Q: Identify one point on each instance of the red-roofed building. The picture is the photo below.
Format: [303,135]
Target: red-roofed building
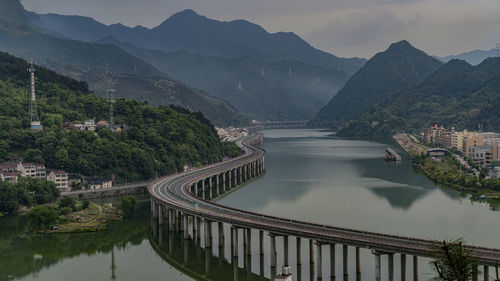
[9,176]
[32,170]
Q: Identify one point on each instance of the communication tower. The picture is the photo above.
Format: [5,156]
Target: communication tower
[111,101]
[33,114]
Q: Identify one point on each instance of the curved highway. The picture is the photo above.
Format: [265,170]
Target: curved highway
[174,191]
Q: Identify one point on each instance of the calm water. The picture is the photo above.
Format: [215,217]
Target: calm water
[310,176]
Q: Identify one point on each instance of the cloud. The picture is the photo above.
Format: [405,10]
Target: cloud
[362,32]
[344,27]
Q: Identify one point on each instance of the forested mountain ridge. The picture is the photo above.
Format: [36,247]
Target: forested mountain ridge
[155,140]
[264,76]
[456,95]
[400,67]
[189,31]
[278,90]
[89,62]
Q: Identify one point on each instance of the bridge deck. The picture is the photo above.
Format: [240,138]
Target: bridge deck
[174,192]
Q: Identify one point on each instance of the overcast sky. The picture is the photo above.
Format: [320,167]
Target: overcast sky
[345,28]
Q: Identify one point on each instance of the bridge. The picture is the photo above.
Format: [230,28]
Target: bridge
[180,199]
[281,124]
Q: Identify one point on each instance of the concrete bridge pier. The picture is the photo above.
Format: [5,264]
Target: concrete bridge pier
[273,249]
[160,214]
[234,244]
[311,251]
[186,226]
[221,234]
[345,261]
[377,266]
[203,191]
[319,261]
[358,261]
[285,251]
[403,267]
[332,261]
[415,268]
[248,244]
[390,266]
[208,234]
[486,272]
[261,242]
[170,220]
[298,249]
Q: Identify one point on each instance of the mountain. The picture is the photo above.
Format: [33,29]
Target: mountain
[474,57]
[457,95]
[90,61]
[398,68]
[282,90]
[188,31]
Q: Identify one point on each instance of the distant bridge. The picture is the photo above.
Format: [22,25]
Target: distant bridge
[177,199]
[281,124]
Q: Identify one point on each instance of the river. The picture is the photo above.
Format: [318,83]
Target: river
[310,175]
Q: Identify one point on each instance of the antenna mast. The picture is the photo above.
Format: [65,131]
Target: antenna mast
[111,100]
[33,115]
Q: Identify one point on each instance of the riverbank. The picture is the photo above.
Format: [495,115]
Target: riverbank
[448,172]
[72,217]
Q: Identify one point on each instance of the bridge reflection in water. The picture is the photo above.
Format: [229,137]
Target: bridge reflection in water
[195,259]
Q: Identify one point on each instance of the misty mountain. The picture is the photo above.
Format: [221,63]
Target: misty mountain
[458,95]
[455,95]
[400,67]
[279,90]
[474,57]
[188,31]
[89,61]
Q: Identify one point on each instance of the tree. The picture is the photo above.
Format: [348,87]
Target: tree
[33,155]
[453,261]
[42,217]
[67,202]
[127,205]
[85,204]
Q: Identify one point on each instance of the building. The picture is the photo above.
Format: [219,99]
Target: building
[286,275]
[60,178]
[32,170]
[443,137]
[9,167]
[9,176]
[481,155]
[88,125]
[494,170]
[102,123]
[98,183]
[437,152]
[471,141]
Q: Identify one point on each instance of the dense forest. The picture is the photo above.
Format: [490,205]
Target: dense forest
[155,140]
[456,95]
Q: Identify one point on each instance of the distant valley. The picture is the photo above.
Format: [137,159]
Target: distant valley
[264,76]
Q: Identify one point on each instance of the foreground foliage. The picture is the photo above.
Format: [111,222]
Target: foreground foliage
[453,261]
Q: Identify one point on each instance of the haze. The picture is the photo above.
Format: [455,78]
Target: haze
[345,28]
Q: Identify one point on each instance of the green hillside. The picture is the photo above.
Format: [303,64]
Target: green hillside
[456,95]
[398,68]
[155,140]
